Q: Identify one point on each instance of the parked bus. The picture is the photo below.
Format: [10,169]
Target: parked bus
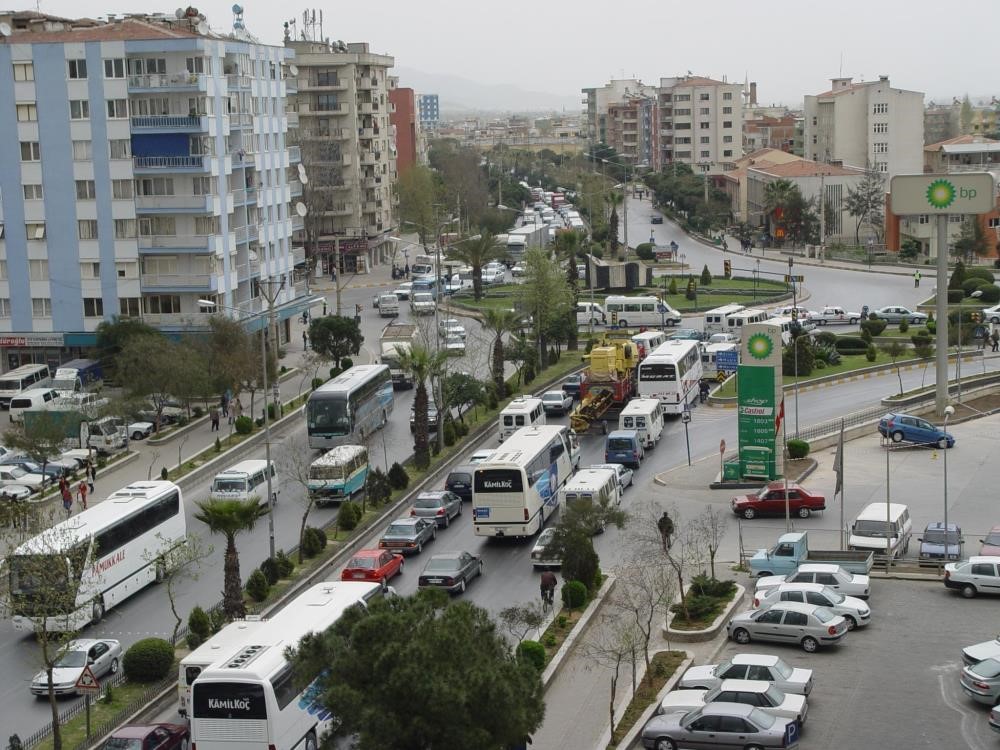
[338,473]
[632,312]
[345,409]
[672,373]
[517,487]
[17,381]
[248,695]
[521,412]
[715,320]
[74,572]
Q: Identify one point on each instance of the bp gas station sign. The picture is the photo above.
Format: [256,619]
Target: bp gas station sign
[760,402]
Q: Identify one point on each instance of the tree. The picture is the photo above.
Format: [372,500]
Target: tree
[966,115]
[228,353]
[155,367]
[462,390]
[798,358]
[566,247]
[572,540]
[419,189]
[971,240]
[777,195]
[360,662]
[609,644]
[866,202]
[476,252]
[41,441]
[424,365]
[521,619]
[112,335]
[894,350]
[710,527]
[255,378]
[683,552]
[545,295]
[499,323]
[294,461]
[181,562]
[335,337]
[614,198]
[230,518]
[643,595]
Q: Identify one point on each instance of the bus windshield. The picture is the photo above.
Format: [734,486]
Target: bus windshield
[329,416]
[326,471]
[653,371]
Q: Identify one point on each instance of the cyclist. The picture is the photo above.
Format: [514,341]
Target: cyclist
[548,586]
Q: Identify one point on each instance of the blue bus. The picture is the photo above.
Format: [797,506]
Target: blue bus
[349,407]
[338,473]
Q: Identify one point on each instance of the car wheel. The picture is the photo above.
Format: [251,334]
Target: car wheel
[137,435]
[665,743]
[968,591]
[821,322]
[185,744]
[915,320]
[897,437]
[447,520]
[461,586]
[809,644]
[851,622]
[479,572]
[97,612]
[434,534]
[804,513]
[749,513]
[943,444]
[113,669]
[854,321]
[310,743]
[623,324]
[753,747]
[741,636]
[399,571]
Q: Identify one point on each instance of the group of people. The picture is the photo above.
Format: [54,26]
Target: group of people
[400,273]
[85,487]
[228,408]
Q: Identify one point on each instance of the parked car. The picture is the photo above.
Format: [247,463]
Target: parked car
[807,625]
[451,571]
[101,655]
[995,719]
[17,475]
[977,575]
[992,315]
[900,427]
[835,315]
[138,430]
[856,612]
[624,473]
[408,535]
[833,576]
[517,270]
[766,667]
[933,544]
[656,219]
[770,501]
[539,557]
[719,725]
[459,481]
[979,651]
[991,544]
[895,314]
[52,472]
[454,345]
[571,384]
[372,565]
[149,737]
[687,334]
[763,695]
[15,492]
[791,311]
[437,506]
[981,682]
[556,402]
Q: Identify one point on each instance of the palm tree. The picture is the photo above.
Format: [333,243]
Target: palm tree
[777,196]
[499,323]
[424,364]
[476,252]
[230,518]
[566,246]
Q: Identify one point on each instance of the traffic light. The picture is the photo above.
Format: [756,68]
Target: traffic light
[727,268]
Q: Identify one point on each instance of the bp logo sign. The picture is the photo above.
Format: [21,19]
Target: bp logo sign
[760,346]
[941,193]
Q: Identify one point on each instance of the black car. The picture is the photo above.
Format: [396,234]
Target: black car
[451,571]
[459,481]
[656,220]
[52,471]
[432,418]
[572,385]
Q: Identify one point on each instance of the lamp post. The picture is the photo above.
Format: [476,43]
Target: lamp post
[756,276]
[958,361]
[795,342]
[948,411]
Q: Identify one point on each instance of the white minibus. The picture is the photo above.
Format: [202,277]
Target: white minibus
[646,341]
[245,480]
[672,374]
[645,416]
[632,312]
[715,320]
[39,399]
[590,487]
[19,380]
[521,412]
[709,361]
[737,320]
[880,527]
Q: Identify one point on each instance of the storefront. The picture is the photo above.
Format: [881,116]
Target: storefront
[32,348]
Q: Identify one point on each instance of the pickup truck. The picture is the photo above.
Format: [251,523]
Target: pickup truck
[422,303]
[793,550]
[835,316]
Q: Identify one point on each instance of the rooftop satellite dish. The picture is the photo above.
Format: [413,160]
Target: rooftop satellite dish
[300,209]
[293,69]
[4,29]
[202,28]
[179,13]
[301,168]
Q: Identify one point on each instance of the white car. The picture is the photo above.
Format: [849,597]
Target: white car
[451,327]
[835,316]
[556,402]
[16,475]
[403,290]
[422,303]
[767,667]
[481,455]
[139,430]
[788,311]
[101,655]
[517,270]
[491,278]
[539,558]
[985,650]
[856,612]
[757,693]
[454,345]
[992,315]
[16,492]
[624,473]
[832,576]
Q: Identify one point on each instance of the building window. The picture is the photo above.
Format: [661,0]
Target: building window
[122,189]
[727,139]
[955,218]
[90,270]
[79,109]
[157,226]
[206,225]
[32,192]
[81,151]
[703,97]
[201,186]
[882,166]
[727,152]
[41,307]
[149,66]
[124,229]
[117,109]
[727,110]
[880,127]
[114,68]
[38,270]
[923,219]
[703,110]
[881,148]
[157,185]
[4,307]
[880,109]
[704,125]
[128,307]
[682,112]
[34,230]
[815,140]
[85,190]
[326,103]
[93,307]
[121,148]
[27,112]
[77,68]
[705,154]
[24,71]
[30,151]
[993,222]
[127,269]
[162,304]
[705,139]
[682,126]
[86,229]
[727,123]
[727,96]
[195,65]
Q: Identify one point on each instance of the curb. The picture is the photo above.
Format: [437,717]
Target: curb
[552,670]
[709,633]
[630,737]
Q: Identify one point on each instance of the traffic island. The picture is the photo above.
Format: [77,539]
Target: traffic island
[706,626]
[571,633]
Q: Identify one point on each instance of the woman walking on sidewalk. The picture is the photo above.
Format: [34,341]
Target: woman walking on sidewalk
[81,491]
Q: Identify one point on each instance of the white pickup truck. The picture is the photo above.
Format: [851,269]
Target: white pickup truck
[835,316]
[422,303]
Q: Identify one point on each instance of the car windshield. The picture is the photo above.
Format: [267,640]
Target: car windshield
[761,719]
[550,396]
[988,668]
[71,659]
[937,537]
[823,615]
[619,444]
[545,537]
[873,528]
[400,529]
[833,596]
[229,485]
[363,563]
[428,502]
[441,565]
[993,538]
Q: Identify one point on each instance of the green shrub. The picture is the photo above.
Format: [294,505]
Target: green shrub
[955,296]
[645,251]
[798,358]
[562,621]
[257,586]
[334,372]
[851,345]
[218,618]
[972,284]
[259,421]
[491,398]
[706,276]
[827,338]
[874,326]
[378,487]
[826,354]
[398,478]
[871,353]
[698,606]
[349,515]
[449,433]
[533,653]
[550,641]
[904,326]
[703,585]
[672,287]
[798,448]
[148,660]
[931,326]
[980,272]
[272,411]
[163,473]
[271,571]
[866,336]
[461,429]
[316,383]
[819,364]
[286,566]
[990,293]
[199,627]
[574,594]
[198,412]
[243,425]
[957,276]
[346,363]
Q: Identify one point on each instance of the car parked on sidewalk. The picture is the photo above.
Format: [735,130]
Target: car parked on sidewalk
[451,571]
[408,535]
[437,506]
[763,695]
[806,625]
[979,651]
[854,610]
[896,314]
[102,655]
[718,726]
[17,475]
[900,427]
[770,501]
[767,667]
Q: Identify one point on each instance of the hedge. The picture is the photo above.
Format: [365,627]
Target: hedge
[851,345]
[574,594]
[532,652]
[798,448]
[148,660]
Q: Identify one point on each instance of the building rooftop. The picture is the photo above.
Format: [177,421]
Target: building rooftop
[962,140]
[124,30]
[807,168]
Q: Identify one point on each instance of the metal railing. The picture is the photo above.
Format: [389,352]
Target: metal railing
[167,122]
[832,426]
[195,280]
[180,202]
[245,234]
[238,82]
[169,162]
[187,242]
[294,154]
[164,80]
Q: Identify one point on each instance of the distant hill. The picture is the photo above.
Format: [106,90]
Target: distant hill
[462,95]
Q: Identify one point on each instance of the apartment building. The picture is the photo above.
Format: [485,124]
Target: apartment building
[405,127]
[700,123]
[631,128]
[145,170]
[343,108]
[866,122]
[598,99]
[734,181]
[941,122]
[429,110]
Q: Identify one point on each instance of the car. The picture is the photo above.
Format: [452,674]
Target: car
[770,501]
[977,575]
[556,402]
[422,303]
[981,681]
[625,474]
[481,455]
[162,736]
[403,290]
[808,625]
[767,667]
[904,427]
[517,270]
[932,544]
[763,695]
[991,544]
[715,727]
[895,314]
[834,315]
[856,612]
[459,481]
[454,346]
[791,311]
[15,492]
[979,651]
[656,219]
[571,384]
[52,472]
[451,571]
[372,565]
[408,535]
[833,576]
[17,475]
[995,719]
[170,412]
[539,557]
[102,655]
[439,506]
[450,326]
[991,315]
[686,334]
[432,418]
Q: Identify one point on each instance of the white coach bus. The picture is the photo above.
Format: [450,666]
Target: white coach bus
[672,373]
[350,406]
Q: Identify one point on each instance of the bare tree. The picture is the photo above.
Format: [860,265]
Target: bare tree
[181,562]
[611,642]
[710,527]
[681,551]
[644,594]
[294,461]
[521,619]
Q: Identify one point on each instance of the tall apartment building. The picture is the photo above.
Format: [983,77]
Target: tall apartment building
[144,169]
[429,109]
[598,99]
[405,127]
[700,123]
[631,128]
[866,122]
[343,108]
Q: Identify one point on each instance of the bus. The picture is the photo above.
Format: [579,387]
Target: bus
[517,487]
[338,473]
[715,320]
[74,572]
[246,694]
[672,373]
[345,409]
[21,379]
[736,321]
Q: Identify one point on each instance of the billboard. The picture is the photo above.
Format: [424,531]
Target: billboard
[759,402]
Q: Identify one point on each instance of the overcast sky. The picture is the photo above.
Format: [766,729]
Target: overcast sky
[790,47]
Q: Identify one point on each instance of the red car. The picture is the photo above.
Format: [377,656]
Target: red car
[149,737]
[372,565]
[770,501]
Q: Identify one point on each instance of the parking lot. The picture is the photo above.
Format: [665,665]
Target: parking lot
[895,684]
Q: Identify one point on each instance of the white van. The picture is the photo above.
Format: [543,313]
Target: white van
[715,320]
[646,341]
[592,486]
[388,305]
[590,312]
[709,357]
[880,527]
[39,399]
[18,381]
[645,416]
[521,412]
[736,321]
[632,312]
[245,480]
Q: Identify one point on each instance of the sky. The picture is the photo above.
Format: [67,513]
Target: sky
[789,47]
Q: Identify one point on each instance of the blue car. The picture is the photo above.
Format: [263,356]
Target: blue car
[932,544]
[900,427]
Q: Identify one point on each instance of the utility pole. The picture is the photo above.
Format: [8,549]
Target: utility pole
[270,289]
[336,270]
[822,210]
[625,212]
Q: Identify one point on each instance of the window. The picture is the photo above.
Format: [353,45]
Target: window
[923,219]
[77,68]
[881,147]
[114,68]
[727,152]
[703,110]
[326,103]
[81,151]
[983,569]
[90,270]
[201,186]
[727,96]
[35,230]
[32,192]
[196,65]
[704,154]
[682,98]
[121,148]
[153,226]
[727,110]
[155,186]
[880,109]
[727,123]
[93,307]
[704,97]
[133,526]
[206,225]
[957,218]
[4,307]
[127,269]
[727,139]
[880,127]
[704,125]
[41,307]
[882,166]
[87,229]
[771,616]
[122,189]
[30,151]
[85,190]
[815,140]
[682,112]
[27,112]
[153,106]
[24,71]
[162,304]
[993,222]
[79,109]
[124,229]
[705,139]
[128,307]
[117,109]
[796,618]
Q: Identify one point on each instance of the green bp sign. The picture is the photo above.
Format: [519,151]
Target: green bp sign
[759,401]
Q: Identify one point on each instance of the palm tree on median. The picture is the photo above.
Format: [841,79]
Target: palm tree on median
[231,518]
[423,364]
[476,252]
[499,323]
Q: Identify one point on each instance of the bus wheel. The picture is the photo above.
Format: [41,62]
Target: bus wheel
[310,743]
[97,613]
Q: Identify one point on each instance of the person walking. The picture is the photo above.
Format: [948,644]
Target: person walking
[305,341]
[81,493]
[89,473]
[224,403]
[214,416]
[916,278]
[238,409]
[67,498]
[995,340]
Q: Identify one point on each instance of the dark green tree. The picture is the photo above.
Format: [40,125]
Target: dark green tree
[462,391]
[230,518]
[476,252]
[156,368]
[40,440]
[572,542]
[499,323]
[335,337]
[424,365]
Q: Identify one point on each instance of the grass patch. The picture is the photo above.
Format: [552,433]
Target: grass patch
[848,363]
[661,668]
[558,631]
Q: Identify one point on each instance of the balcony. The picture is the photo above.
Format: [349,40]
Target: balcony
[155,204]
[292,119]
[371,182]
[367,108]
[295,188]
[169,122]
[177,320]
[366,84]
[175,163]
[368,158]
[246,234]
[294,154]
[371,207]
[325,84]
[291,85]
[298,223]
[193,281]
[243,158]
[247,271]
[238,82]
[329,108]
[242,197]
[366,134]
[254,305]
[176,81]
[298,256]
[240,120]
[340,209]
[184,243]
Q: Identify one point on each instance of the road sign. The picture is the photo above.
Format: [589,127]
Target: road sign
[87,682]
[969,193]
[790,279]
[686,416]
[727,361]
[791,734]
[722,445]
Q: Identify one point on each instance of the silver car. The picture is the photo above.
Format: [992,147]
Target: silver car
[439,507]
[764,667]
[981,682]
[719,726]
[623,473]
[102,656]
[896,314]
[539,557]
[979,651]
[762,695]
[852,609]
[789,622]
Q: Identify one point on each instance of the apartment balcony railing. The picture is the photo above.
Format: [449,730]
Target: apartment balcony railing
[371,182]
[298,223]
[238,82]
[368,158]
[166,122]
[177,280]
[247,271]
[367,108]
[254,305]
[294,154]
[167,320]
[336,84]
[295,187]
[185,243]
[291,85]
[240,120]
[338,108]
[298,255]
[243,196]
[292,118]
[155,203]
[167,81]
[170,162]
[246,234]
[983,167]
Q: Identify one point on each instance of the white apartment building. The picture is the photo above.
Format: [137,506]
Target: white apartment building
[597,100]
[866,122]
[700,123]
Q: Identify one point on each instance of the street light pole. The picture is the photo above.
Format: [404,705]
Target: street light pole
[948,411]
[795,343]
